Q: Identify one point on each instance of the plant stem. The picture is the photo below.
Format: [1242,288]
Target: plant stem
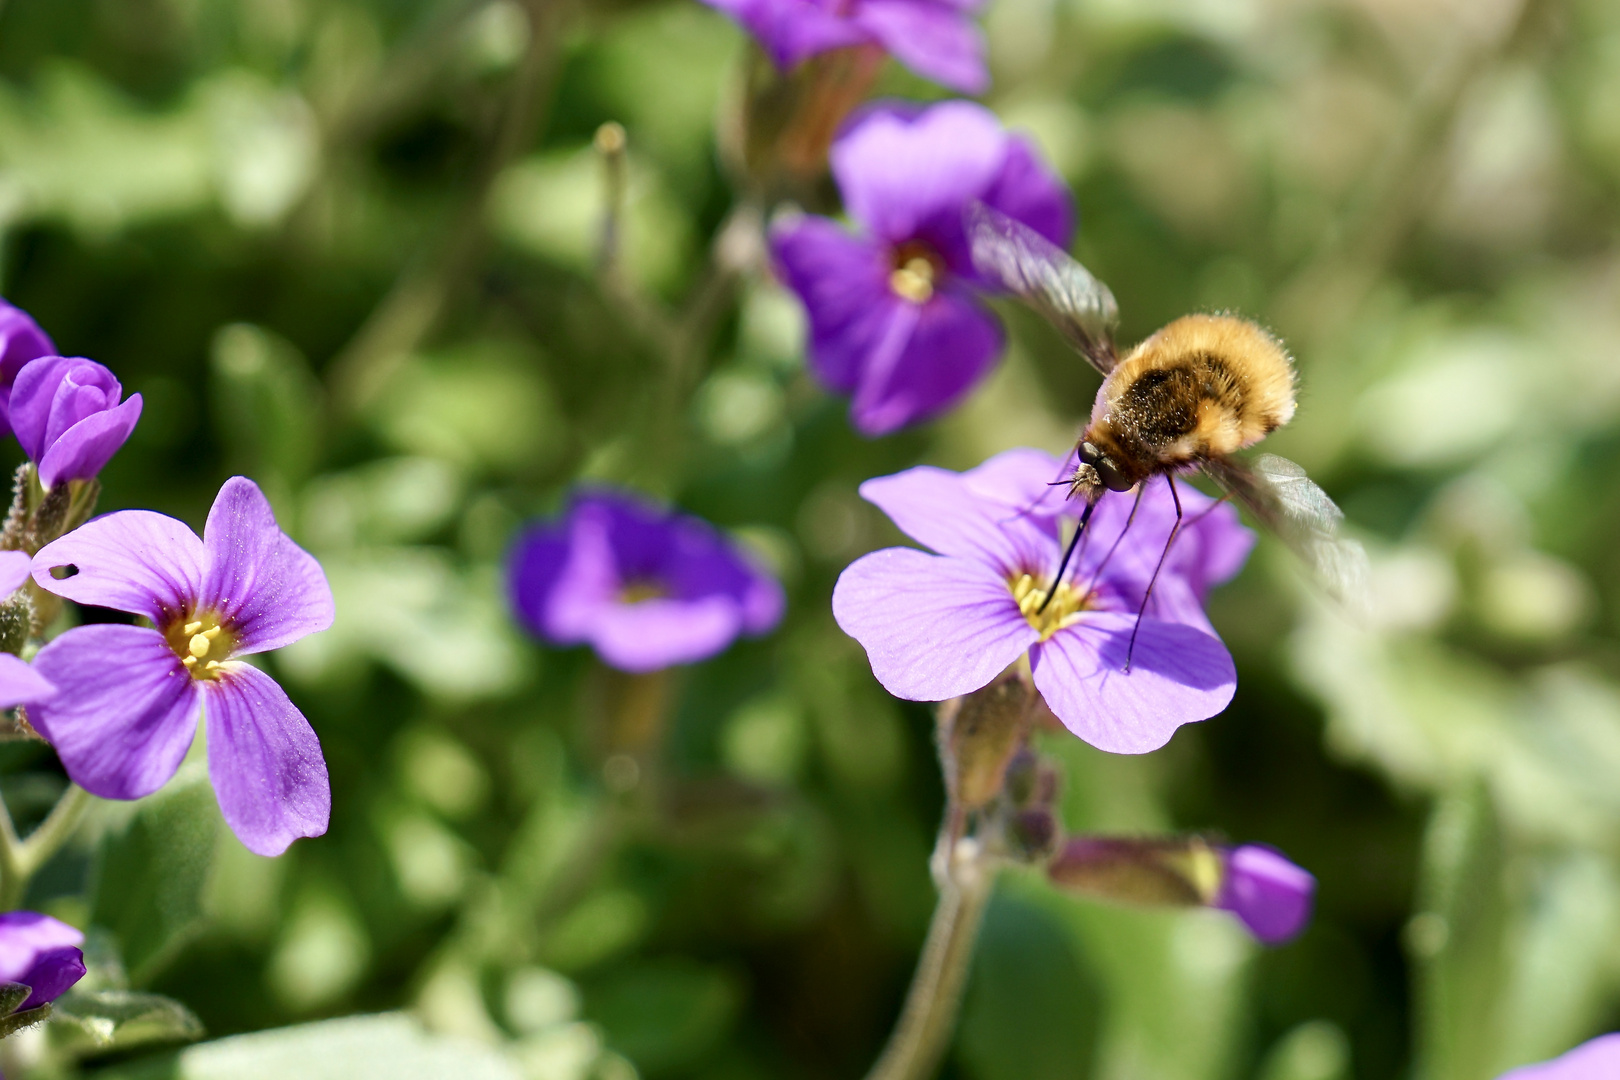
[929,1016]
[20,860]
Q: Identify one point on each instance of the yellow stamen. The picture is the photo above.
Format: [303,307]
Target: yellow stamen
[213,632]
[211,665]
[189,661]
[914,281]
[201,641]
[199,646]
[1064,610]
[192,627]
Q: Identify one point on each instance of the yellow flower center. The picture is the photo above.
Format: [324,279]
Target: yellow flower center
[1064,610]
[914,280]
[636,592]
[201,643]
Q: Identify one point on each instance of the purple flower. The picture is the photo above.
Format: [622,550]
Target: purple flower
[935,38]
[1595,1060]
[66,413]
[128,696]
[936,626]
[41,953]
[644,587]
[894,317]
[19,683]
[1268,893]
[21,340]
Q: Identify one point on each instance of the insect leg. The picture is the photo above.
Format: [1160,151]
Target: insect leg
[1148,595]
[1085,516]
[1096,575]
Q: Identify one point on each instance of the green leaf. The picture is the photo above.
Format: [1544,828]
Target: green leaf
[1457,939]
[389,1046]
[92,1020]
[150,873]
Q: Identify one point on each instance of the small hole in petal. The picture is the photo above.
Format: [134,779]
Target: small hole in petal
[60,572]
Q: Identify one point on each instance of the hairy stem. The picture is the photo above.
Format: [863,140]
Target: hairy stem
[929,1016]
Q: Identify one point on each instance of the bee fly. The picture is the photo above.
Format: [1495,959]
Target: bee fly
[1190,396]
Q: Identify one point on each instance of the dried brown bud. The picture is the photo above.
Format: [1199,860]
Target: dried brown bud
[979,735]
[1181,871]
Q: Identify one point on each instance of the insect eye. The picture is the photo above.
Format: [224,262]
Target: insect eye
[1110,475]
[1089,453]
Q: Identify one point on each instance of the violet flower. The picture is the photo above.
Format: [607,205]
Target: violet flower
[20,684]
[895,321]
[935,38]
[644,587]
[41,953]
[1268,893]
[127,697]
[1598,1059]
[66,413]
[21,340]
[936,626]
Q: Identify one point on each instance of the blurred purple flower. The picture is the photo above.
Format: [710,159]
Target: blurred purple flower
[20,684]
[66,413]
[127,699]
[894,317]
[1595,1060]
[1268,893]
[41,953]
[942,625]
[644,587]
[935,38]
[21,340]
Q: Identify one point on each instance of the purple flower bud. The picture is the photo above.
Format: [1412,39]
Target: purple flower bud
[1270,894]
[41,953]
[21,340]
[67,416]
[1595,1060]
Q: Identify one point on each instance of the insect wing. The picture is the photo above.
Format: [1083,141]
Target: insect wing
[1286,501]
[1022,261]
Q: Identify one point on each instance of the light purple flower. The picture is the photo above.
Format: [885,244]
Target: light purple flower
[41,953]
[67,416]
[127,699]
[1595,1060]
[1268,893]
[935,38]
[644,587]
[936,626]
[20,684]
[895,321]
[21,340]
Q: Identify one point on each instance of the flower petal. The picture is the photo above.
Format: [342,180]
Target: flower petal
[534,568]
[1270,894]
[40,952]
[933,627]
[659,633]
[81,451]
[900,170]
[131,560]
[272,591]
[791,30]
[843,282]
[939,509]
[1025,481]
[1028,191]
[1178,675]
[20,684]
[15,567]
[1598,1059]
[936,41]
[265,762]
[954,344]
[125,711]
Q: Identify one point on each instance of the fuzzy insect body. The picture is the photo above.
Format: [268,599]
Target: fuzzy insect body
[1203,387]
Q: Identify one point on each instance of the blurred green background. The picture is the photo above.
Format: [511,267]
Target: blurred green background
[346,247]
